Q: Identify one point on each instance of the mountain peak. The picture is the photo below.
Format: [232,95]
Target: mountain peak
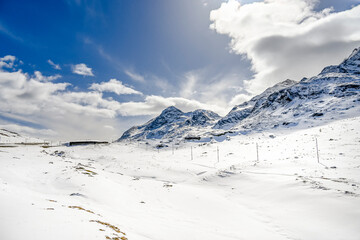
[350,65]
[171,109]
[355,55]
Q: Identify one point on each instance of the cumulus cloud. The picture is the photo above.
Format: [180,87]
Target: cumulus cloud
[7,61]
[286,39]
[155,104]
[59,112]
[55,66]
[42,78]
[20,94]
[239,98]
[52,106]
[113,86]
[82,69]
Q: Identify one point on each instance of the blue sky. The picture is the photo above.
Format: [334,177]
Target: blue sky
[117,63]
[161,38]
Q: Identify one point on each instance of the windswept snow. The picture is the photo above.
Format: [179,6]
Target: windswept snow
[135,191]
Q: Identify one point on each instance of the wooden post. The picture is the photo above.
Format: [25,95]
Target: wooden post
[191,154]
[317,150]
[173,149]
[257,152]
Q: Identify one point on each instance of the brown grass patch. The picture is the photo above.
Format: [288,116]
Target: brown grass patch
[85,171]
[116,238]
[116,229]
[81,208]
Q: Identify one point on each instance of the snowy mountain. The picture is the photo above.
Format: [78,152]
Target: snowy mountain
[11,137]
[242,111]
[333,94]
[173,123]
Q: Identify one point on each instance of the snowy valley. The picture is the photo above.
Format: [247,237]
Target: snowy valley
[284,165]
[219,190]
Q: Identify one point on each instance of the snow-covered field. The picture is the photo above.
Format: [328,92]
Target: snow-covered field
[134,191]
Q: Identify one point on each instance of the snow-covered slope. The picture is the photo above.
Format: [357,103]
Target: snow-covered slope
[333,94]
[242,111]
[210,191]
[173,123]
[11,137]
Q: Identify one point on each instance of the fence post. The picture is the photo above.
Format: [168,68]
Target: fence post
[257,152]
[191,154]
[317,150]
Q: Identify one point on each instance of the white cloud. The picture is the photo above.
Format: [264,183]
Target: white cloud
[113,86]
[28,131]
[134,76]
[286,39]
[10,34]
[55,66]
[72,115]
[53,107]
[42,78]
[211,87]
[20,94]
[153,105]
[239,98]
[7,61]
[188,86]
[82,69]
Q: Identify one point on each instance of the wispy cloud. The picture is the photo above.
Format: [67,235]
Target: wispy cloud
[188,88]
[10,34]
[82,69]
[134,76]
[113,86]
[55,66]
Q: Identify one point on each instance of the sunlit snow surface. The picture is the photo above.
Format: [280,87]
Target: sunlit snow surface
[135,191]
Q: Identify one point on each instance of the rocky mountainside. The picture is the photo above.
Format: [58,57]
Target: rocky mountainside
[331,95]
[242,111]
[173,123]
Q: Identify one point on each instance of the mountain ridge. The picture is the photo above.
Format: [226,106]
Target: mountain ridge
[332,94]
